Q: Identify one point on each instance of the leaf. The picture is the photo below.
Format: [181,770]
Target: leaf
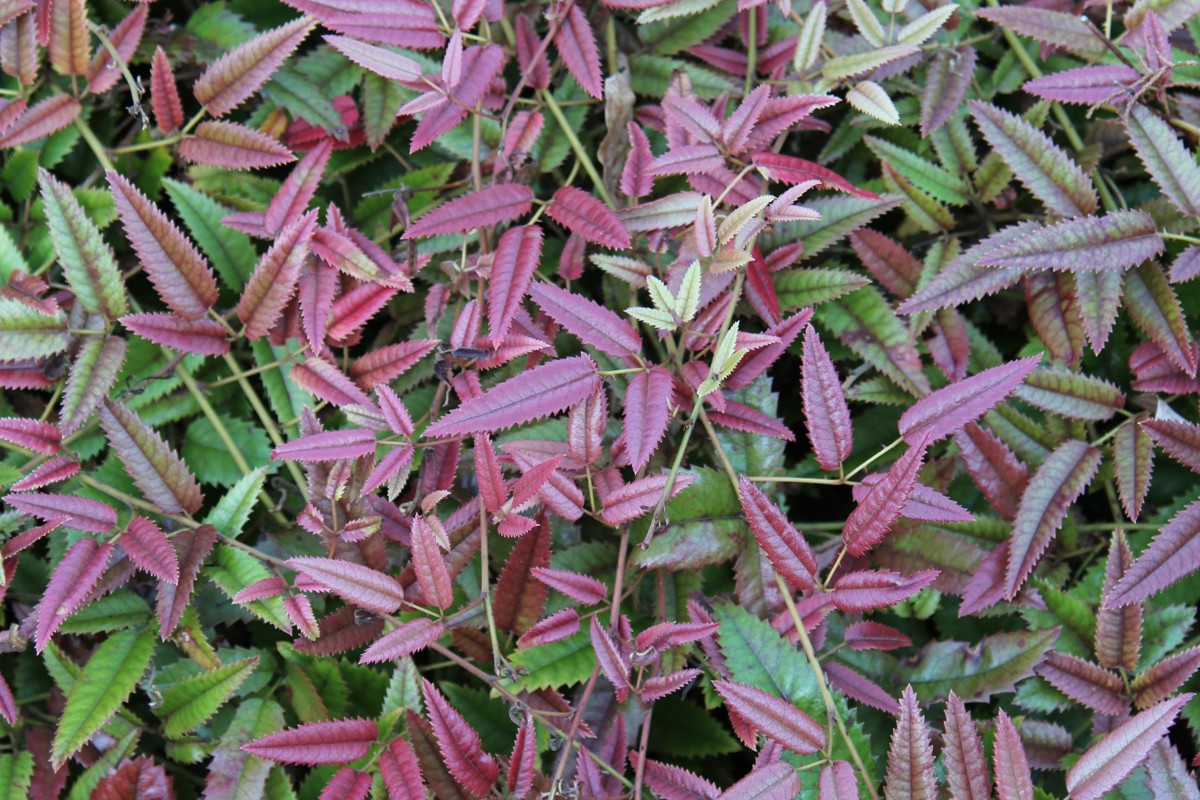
[1118,240]
[613,663]
[190,702]
[647,414]
[27,333]
[582,588]
[676,783]
[1085,683]
[776,719]
[1133,464]
[460,745]
[865,590]
[1165,678]
[327,446]
[928,177]
[1045,170]
[1071,394]
[951,408]
[576,45]
[191,549]
[233,146]
[825,410]
[102,73]
[976,670]
[515,262]
[68,37]
[334,742]
[432,575]
[32,434]
[592,323]
[109,677]
[164,94]
[236,76]
[1167,776]
[495,204]
[407,639]
[205,337]
[156,469]
[581,213]
[1108,762]
[1154,307]
[230,251]
[884,501]
[865,322]
[1173,553]
[1052,490]
[1051,27]
[148,547]
[793,171]
[544,390]
[385,63]
[910,755]
[41,120]
[1013,778]
[355,583]
[1180,440]
[79,513]
[77,572]
[777,780]
[274,279]
[1084,85]
[401,771]
[86,259]
[962,754]
[872,99]
[1099,295]
[783,545]
[635,499]
[233,510]
[1118,631]
[841,67]
[1167,160]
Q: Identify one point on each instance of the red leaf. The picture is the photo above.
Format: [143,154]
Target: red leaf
[53,471]
[273,281]
[148,547]
[385,63]
[259,590]
[355,583]
[139,779]
[874,636]
[792,170]
[582,213]
[594,324]
[910,756]
[950,408]
[492,489]
[347,784]
[1164,678]
[637,178]
[660,686]
[635,499]
[341,631]
[777,719]
[871,589]
[334,742]
[205,337]
[388,363]
[156,469]
[102,74]
[676,783]
[327,446]
[739,417]
[544,390]
[784,546]
[1180,440]
[459,744]
[962,754]
[577,46]
[1085,683]
[1118,631]
[513,265]
[534,479]
[583,588]
[401,772]
[777,780]
[825,409]
[837,782]
[1106,763]
[8,704]
[40,437]
[489,206]
[522,767]
[164,94]
[647,413]
[993,467]
[298,189]
[430,566]
[233,146]
[79,513]
[408,638]
[613,662]
[77,572]
[874,515]
[857,687]
[235,76]
[1013,778]
[191,548]
[46,117]
[1173,554]
[558,625]
[319,377]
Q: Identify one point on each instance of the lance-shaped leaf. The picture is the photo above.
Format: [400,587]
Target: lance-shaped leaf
[1133,463]
[676,783]
[593,323]
[86,259]
[55,470]
[637,498]
[946,83]
[401,771]
[74,576]
[28,333]
[1179,439]
[327,446]
[67,36]
[647,413]
[962,754]
[233,146]
[1050,27]
[156,469]
[581,213]
[460,745]
[1060,480]
[1038,163]
[387,363]
[1013,777]
[32,434]
[191,548]
[1169,162]
[102,73]
[1164,678]
[776,780]
[612,661]
[80,513]
[1167,775]
[1086,683]
[42,119]
[777,719]
[355,583]
[910,755]
[869,589]
[1118,240]
[432,575]
[320,377]
[1118,630]
[111,674]
[148,547]
[385,63]
[95,371]
[874,636]
[837,782]
[1099,296]
[205,337]
[408,638]
[553,628]
[1173,554]
[1106,763]
[583,588]
[544,390]
[334,742]
[513,265]
[784,546]
[1054,313]
[874,515]
[499,203]
[952,407]
[576,45]
[274,279]
[191,701]
[164,94]
[1071,394]
[1154,307]
[235,76]
[825,410]
[1084,85]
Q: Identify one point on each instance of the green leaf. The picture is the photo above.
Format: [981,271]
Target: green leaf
[121,609]
[840,67]
[757,655]
[922,208]
[672,36]
[380,99]
[26,333]
[706,736]
[974,670]
[925,175]
[86,260]
[11,257]
[110,676]
[235,774]
[866,324]
[651,74]
[1071,612]
[797,288]
[16,773]
[558,664]
[840,216]
[192,701]
[673,10]
[233,571]
[302,97]
[229,516]
[229,250]
[703,527]
[204,450]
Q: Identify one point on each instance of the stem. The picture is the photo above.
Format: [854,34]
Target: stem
[577,146]
[97,148]
[872,459]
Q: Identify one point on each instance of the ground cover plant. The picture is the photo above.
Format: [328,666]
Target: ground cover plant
[599,398]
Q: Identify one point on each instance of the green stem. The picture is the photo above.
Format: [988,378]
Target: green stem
[577,146]
[97,148]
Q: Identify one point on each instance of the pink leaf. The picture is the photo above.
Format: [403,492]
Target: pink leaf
[274,279]
[492,491]
[647,413]
[297,191]
[923,504]
[334,742]
[950,408]
[513,265]
[533,480]
[637,179]
[558,625]
[837,782]
[40,437]
[408,638]
[1118,631]
[1014,780]
[1106,763]
[673,634]
[53,471]
[46,117]
[8,704]
[233,146]
[1180,440]
[858,687]
[459,744]
[962,754]
[660,686]
[676,783]
[740,417]
[233,78]
[544,390]
[191,548]
[1164,678]
[148,547]
[299,611]
[637,498]
[1085,683]
[874,636]
[583,588]
[825,409]
[489,206]
[164,94]
[327,446]
[388,363]
[577,46]
[155,467]
[80,513]
[867,590]
[873,517]
[205,337]
[792,170]
[777,780]
[321,378]
[783,545]
[777,719]
[102,74]
[401,771]
[612,662]
[259,590]
[910,756]
[582,213]
[430,566]
[384,63]
[993,467]
[347,784]
[1173,553]
[594,324]
[1084,85]
[74,576]
[354,583]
